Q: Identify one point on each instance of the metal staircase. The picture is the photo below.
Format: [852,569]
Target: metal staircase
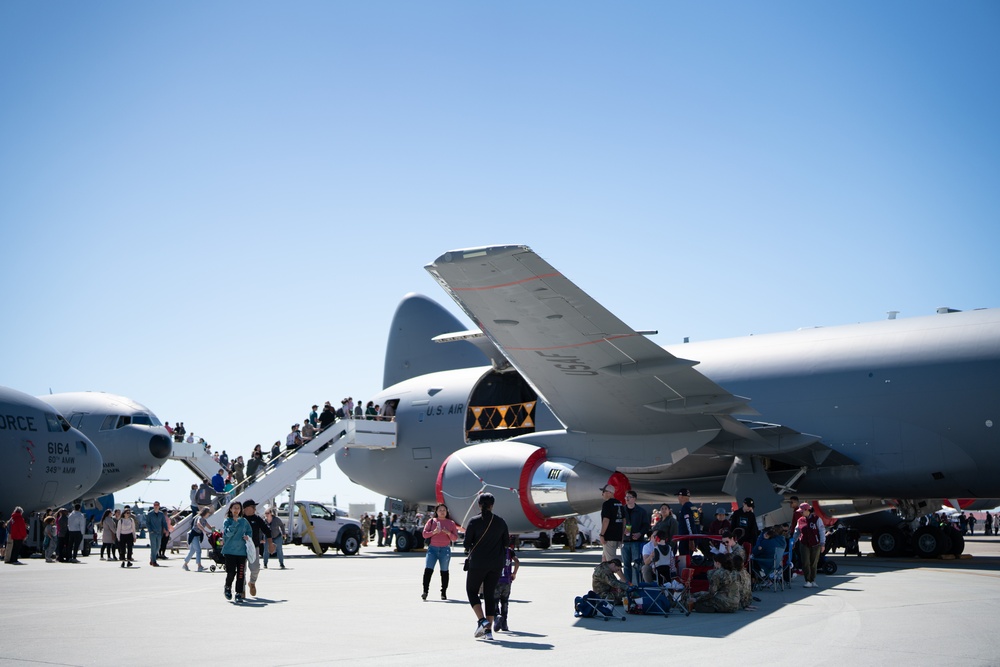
[287,469]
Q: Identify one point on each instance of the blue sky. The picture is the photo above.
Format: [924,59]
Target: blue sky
[213,208]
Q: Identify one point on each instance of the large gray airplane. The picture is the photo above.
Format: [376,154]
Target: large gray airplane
[46,462]
[553,396]
[132,440]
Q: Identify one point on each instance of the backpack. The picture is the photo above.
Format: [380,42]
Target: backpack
[203,497]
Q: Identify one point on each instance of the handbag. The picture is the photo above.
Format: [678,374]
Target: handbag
[465,565]
[251,550]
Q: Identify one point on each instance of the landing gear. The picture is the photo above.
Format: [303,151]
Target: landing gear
[888,542]
[930,542]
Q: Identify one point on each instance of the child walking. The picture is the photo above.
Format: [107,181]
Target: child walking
[511,564]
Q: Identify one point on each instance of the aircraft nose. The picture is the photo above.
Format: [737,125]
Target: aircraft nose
[89,464]
[160,446]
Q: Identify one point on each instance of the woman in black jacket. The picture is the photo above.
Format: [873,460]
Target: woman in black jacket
[486,540]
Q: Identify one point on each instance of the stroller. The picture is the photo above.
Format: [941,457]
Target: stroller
[215,550]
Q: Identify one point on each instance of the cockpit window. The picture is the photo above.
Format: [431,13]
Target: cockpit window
[124,420]
[109,422]
[143,419]
[76,419]
[56,423]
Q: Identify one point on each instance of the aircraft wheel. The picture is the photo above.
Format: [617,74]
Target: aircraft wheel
[928,542]
[957,544]
[543,541]
[829,567]
[580,541]
[404,541]
[887,542]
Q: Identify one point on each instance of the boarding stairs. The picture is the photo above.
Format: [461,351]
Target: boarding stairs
[294,464]
[197,459]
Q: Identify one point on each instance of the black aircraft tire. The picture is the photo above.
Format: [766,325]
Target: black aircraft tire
[957,544]
[543,541]
[928,542]
[404,541]
[829,567]
[887,542]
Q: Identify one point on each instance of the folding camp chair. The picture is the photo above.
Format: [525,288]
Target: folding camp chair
[592,605]
[650,599]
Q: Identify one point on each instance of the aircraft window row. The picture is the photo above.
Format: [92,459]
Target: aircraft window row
[118,421]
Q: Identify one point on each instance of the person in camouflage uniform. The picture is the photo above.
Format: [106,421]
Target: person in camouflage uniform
[571,528]
[723,594]
[607,581]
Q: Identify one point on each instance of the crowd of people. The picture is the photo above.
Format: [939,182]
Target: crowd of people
[638,549]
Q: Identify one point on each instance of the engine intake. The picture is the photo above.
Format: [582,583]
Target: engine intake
[532,492]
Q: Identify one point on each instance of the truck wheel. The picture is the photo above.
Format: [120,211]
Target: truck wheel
[350,543]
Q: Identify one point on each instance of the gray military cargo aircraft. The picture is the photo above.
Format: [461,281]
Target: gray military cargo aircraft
[554,396]
[46,462]
[132,440]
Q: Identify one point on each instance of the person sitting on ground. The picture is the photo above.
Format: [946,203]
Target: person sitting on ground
[723,594]
[608,582]
[742,580]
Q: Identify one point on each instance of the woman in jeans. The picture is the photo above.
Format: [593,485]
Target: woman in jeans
[441,530]
[234,533]
[199,529]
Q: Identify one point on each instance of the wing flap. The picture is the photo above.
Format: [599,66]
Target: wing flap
[597,374]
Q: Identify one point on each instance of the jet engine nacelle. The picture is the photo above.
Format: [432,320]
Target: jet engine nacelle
[532,491]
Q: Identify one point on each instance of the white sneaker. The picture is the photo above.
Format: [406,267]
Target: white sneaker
[808,584]
[481,627]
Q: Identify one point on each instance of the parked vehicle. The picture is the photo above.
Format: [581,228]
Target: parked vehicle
[331,530]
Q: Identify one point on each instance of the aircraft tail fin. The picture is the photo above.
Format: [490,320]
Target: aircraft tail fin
[411,351]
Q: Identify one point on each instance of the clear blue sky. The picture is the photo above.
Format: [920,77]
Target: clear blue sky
[213,208]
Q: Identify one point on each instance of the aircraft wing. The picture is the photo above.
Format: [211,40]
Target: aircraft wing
[597,374]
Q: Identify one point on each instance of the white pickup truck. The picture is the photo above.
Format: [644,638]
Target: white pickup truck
[331,530]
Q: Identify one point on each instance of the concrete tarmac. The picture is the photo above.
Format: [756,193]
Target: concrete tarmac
[338,609]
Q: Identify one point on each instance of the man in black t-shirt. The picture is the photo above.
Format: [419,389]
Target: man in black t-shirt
[611,523]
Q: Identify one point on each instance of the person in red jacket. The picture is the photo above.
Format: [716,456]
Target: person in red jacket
[18,532]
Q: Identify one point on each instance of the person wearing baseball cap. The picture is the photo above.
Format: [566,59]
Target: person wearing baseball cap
[686,522]
[743,523]
[612,525]
[810,534]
